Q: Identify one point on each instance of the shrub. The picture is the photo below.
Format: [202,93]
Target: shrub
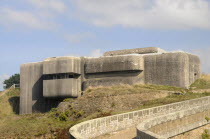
[79,114]
[62,117]
[207,119]
[205,134]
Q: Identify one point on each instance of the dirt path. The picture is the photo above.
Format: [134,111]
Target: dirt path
[193,134]
[129,133]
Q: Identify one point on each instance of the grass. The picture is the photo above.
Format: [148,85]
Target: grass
[202,83]
[205,134]
[129,89]
[32,125]
[172,99]
[55,124]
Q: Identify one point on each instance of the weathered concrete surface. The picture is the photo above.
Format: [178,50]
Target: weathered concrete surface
[30,86]
[114,64]
[146,50]
[194,68]
[62,88]
[111,81]
[62,65]
[173,69]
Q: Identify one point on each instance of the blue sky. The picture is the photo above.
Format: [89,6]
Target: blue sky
[32,30]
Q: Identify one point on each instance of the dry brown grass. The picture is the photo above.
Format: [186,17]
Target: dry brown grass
[202,83]
[206,77]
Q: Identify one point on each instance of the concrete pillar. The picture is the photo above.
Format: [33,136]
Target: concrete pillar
[30,86]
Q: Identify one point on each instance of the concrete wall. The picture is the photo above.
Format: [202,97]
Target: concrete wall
[146,50]
[62,88]
[30,86]
[100,126]
[173,69]
[111,81]
[172,124]
[194,68]
[31,90]
[116,70]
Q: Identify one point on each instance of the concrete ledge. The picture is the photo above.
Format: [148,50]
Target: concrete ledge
[146,50]
[62,65]
[116,63]
[100,126]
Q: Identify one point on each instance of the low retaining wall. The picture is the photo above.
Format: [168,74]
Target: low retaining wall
[100,126]
[172,124]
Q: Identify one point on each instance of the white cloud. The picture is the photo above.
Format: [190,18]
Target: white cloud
[77,38]
[2,78]
[53,5]
[204,55]
[39,14]
[96,53]
[152,14]
[15,18]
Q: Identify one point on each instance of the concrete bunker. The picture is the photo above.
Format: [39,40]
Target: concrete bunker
[48,82]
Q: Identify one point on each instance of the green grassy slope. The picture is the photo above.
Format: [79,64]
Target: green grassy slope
[13,125]
[56,123]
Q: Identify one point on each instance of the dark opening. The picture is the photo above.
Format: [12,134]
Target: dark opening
[61,76]
[195,74]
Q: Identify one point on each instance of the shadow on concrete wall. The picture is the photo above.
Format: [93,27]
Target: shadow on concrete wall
[45,105]
[15,103]
[39,103]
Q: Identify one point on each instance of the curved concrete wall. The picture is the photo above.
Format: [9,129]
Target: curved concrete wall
[100,126]
[172,124]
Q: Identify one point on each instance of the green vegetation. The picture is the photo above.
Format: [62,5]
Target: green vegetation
[14,79]
[207,119]
[53,124]
[205,134]
[202,83]
[172,99]
[130,89]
